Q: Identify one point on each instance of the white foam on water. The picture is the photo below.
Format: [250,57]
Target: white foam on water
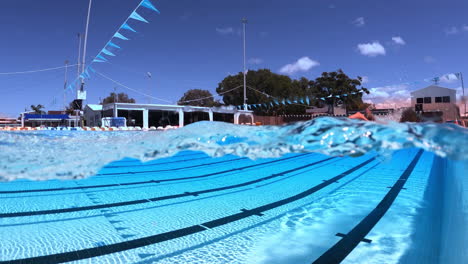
[43,155]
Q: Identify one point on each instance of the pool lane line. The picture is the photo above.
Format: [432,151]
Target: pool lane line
[169,157]
[156,181]
[155,199]
[166,170]
[153,164]
[338,252]
[178,233]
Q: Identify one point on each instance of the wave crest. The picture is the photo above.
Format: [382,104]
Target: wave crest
[43,155]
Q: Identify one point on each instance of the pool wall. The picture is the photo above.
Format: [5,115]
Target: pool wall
[454,239]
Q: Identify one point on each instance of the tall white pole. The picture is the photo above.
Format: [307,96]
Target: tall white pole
[78,69]
[244,22]
[463,92]
[65,86]
[85,44]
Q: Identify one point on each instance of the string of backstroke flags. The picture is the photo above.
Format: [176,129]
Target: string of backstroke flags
[111,46]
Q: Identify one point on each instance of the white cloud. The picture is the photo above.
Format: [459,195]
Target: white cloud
[365,79]
[371,49]
[301,65]
[255,61]
[465,28]
[359,22]
[429,59]
[451,31]
[389,96]
[225,31]
[448,78]
[398,41]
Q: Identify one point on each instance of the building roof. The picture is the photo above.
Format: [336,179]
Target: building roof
[95,107]
[434,87]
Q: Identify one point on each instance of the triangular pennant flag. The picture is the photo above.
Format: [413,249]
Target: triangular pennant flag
[288,101]
[149,5]
[307,100]
[301,100]
[283,102]
[271,104]
[136,16]
[113,45]
[98,60]
[276,102]
[107,52]
[127,27]
[345,94]
[101,57]
[91,69]
[120,36]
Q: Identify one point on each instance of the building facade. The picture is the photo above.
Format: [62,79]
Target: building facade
[157,115]
[435,103]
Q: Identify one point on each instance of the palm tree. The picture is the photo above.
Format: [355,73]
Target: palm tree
[38,109]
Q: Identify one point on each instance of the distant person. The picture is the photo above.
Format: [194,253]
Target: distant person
[367,116]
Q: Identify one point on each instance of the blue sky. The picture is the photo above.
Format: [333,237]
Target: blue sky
[396,45]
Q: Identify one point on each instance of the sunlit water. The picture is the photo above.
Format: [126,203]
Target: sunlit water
[104,197]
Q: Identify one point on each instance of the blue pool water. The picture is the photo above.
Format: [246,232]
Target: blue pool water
[302,199]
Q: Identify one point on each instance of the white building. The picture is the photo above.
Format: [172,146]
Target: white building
[148,115]
[93,115]
[435,102]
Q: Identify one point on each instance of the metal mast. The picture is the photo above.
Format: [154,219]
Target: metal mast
[85,44]
[78,69]
[244,22]
[65,86]
[463,92]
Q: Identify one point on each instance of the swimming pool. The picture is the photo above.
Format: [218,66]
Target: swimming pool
[410,207]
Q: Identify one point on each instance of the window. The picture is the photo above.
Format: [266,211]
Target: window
[427,100]
[446,99]
[438,99]
[419,100]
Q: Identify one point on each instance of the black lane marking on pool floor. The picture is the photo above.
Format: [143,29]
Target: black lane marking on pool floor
[349,242]
[151,164]
[155,199]
[138,162]
[154,239]
[153,181]
[166,170]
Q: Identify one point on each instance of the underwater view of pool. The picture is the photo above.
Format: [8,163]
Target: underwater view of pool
[324,191]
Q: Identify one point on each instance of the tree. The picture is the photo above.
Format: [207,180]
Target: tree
[38,109]
[198,97]
[334,85]
[409,115]
[121,98]
[264,86]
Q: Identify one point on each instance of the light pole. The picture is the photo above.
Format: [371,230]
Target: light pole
[463,92]
[149,75]
[84,48]
[244,22]
[65,86]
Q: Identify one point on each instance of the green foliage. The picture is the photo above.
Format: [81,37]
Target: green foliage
[198,97]
[263,82]
[118,98]
[338,83]
[38,109]
[409,115]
